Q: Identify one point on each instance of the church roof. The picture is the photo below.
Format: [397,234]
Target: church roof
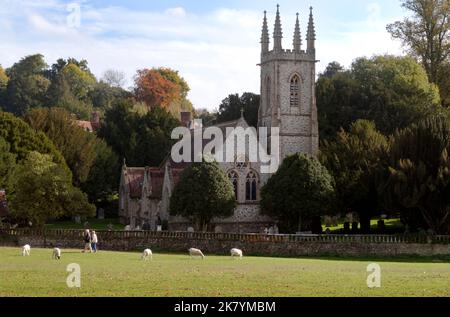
[134,178]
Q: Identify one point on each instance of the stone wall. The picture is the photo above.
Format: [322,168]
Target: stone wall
[220,244]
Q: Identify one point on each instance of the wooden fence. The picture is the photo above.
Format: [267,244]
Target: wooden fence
[281,238]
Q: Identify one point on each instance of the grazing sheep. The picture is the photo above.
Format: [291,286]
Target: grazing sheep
[147,254]
[236,252]
[56,254]
[193,252]
[26,250]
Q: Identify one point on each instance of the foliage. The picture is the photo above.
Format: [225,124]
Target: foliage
[394,92]
[203,193]
[231,107]
[93,163]
[22,139]
[142,139]
[354,159]
[426,34]
[103,95]
[71,85]
[299,191]
[7,165]
[42,189]
[208,118]
[420,173]
[154,89]
[103,178]
[3,84]
[27,85]
[73,142]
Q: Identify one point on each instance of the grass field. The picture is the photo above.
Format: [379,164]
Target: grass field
[124,274]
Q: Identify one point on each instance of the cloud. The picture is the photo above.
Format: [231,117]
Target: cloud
[178,12]
[216,51]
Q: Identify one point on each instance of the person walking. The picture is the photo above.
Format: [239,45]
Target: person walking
[87,241]
[94,241]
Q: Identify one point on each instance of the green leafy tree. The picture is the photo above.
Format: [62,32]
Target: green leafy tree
[299,192]
[231,107]
[426,35]
[27,85]
[22,139]
[75,144]
[104,174]
[42,189]
[355,159]
[394,92]
[7,165]
[420,174]
[3,84]
[142,139]
[71,85]
[203,192]
[104,96]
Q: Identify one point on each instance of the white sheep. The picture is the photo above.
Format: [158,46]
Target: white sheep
[26,250]
[194,251]
[147,254]
[56,254]
[236,252]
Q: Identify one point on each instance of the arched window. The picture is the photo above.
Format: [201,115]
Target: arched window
[234,179]
[251,186]
[295,90]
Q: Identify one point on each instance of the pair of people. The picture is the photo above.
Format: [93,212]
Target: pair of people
[90,241]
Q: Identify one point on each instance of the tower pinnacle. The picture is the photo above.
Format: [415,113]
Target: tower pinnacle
[297,37]
[311,34]
[265,36]
[278,32]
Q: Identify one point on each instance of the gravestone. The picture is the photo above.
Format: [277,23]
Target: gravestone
[101,214]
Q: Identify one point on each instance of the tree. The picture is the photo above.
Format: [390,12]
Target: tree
[27,85]
[103,96]
[203,193]
[155,90]
[94,165]
[22,139]
[75,144]
[42,189]
[332,69]
[208,118]
[426,34]
[143,139]
[394,92]
[71,85]
[231,107]
[104,174]
[420,173]
[7,165]
[3,84]
[355,159]
[114,78]
[301,190]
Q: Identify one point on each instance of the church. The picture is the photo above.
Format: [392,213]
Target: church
[287,102]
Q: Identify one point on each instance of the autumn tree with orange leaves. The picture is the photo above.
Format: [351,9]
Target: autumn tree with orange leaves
[155,90]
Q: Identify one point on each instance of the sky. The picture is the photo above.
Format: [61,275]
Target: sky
[214,44]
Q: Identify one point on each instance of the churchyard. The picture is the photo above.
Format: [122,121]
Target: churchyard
[125,274]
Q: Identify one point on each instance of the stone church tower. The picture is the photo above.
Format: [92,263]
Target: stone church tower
[288,88]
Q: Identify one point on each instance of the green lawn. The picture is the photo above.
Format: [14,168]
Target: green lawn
[95,224]
[124,274]
[391,226]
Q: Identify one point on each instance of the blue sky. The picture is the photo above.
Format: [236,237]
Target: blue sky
[214,44]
